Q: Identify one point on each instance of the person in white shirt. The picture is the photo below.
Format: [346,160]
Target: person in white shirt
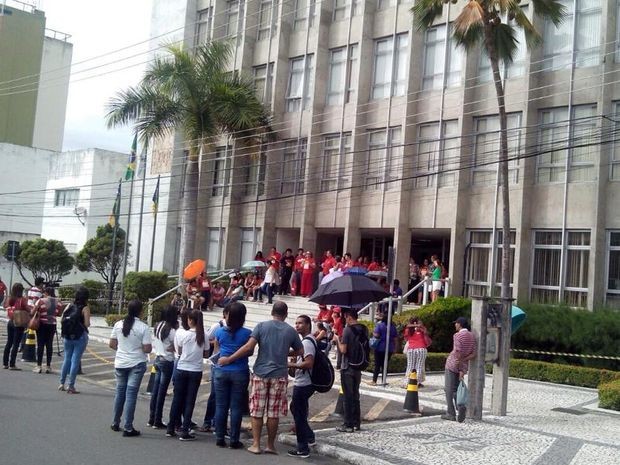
[131,339]
[192,348]
[163,345]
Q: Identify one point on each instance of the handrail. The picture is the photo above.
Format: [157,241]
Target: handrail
[155,299]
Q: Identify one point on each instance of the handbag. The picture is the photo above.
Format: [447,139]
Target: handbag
[427,340]
[34,322]
[373,342]
[21,317]
[462,394]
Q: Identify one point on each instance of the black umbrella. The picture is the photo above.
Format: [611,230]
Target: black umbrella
[349,290]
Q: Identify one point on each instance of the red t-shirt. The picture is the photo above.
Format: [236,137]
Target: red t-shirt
[328,264]
[415,340]
[2,288]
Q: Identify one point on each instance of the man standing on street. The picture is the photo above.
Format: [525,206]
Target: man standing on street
[270,378]
[303,388]
[457,363]
[354,349]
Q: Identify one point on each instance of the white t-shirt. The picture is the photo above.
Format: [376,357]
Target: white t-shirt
[161,347]
[214,328]
[302,377]
[129,352]
[191,352]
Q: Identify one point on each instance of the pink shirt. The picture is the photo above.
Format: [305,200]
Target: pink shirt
[464,344]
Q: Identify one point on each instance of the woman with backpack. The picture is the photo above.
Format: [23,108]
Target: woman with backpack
[164,364]
[131,339]
[47,309]
[74,330]
[15,326]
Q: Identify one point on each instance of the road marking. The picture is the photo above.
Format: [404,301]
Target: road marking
[376,409]
[97,356]
[98,373]
[323,414]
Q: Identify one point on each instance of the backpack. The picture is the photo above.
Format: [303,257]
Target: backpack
[358,352]
[322,374]
[71,326]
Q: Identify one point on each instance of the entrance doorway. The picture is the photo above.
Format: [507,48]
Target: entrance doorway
[428,242]
[331,239]
[375,246]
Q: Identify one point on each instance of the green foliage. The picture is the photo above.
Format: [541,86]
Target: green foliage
[560,373]
[44,258]
[96,255]
[66,292]
[609,395]
[398,362]
[145,285]
[112,318]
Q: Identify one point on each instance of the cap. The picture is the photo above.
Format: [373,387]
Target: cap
[462,321]
[323,306]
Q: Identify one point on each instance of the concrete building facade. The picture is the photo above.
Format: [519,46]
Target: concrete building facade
[388,136]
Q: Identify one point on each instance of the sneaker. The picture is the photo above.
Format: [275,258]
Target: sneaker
[298,453]
[114,427]
[448,417]
[61,387]
[344,429]
[236,445]
[170,434]
[72,390]
[205,429]
[150,423]
[131,433]
[159,425]
[357,428]
[220,443]
[37,370]
[49,371]
[312,444]
[461,411]
[187,437]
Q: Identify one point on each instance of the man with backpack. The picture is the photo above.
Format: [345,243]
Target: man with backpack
[355,352]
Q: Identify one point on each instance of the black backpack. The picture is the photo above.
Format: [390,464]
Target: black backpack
[71,326]
[358,352]
[322,374]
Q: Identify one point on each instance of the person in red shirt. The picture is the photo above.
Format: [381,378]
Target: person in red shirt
[374,266]
[418,340]
[2,291]
[274,255]
[328,263]
[338,328]
[308,266]
[324,315]
[297,271]
[348,261]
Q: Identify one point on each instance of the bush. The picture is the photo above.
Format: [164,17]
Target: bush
[398,362]
[112,318]
[145,285]
[66,293]
[609,395]
[560,373]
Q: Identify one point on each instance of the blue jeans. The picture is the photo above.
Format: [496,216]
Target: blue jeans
[186,384]
[74,348]
[231,393]
[209,420]
[266,288]
[163,375]
[127,386]
[299,409]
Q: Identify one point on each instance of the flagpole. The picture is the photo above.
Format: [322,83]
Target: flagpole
[156,208]
[130,170]
[143,168]
[115,209]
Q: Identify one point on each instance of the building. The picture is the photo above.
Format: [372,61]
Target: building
[34,78]
[387,136]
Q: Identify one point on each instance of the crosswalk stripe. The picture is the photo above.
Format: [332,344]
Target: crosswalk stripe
[376,409]
[108,371]
[323,414]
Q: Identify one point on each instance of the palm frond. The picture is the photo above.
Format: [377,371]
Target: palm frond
[532,37]
[425,12]
[551,10]
[504,42]
[469,25]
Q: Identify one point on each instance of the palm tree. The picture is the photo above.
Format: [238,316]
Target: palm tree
[493,24]
[191,92]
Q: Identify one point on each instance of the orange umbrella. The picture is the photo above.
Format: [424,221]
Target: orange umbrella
[194,269]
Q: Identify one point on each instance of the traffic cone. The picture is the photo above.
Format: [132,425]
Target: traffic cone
[411,399]
[339,410]
[149,386]
[29,352]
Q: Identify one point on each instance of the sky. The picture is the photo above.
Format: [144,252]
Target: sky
[98,28]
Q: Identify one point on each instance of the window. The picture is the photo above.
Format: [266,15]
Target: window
[614,159]
[221,171]
[612,298]
[486,149]
[213,249]
[557,134]
[266,18]
[547,280]
[254,175]
[249,244]
[263,80]
[385,162]
[437,155]
[383,4]
[482,276]
[300,82]
[66,197]
[294,166]
[435,59]
[330,170]
[342,8]
[234,17]
[343,74]
[390,67]
[204,25]
[304,9]
[558,41]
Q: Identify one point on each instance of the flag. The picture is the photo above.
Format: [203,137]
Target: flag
[155,205]
[142,164]
[131,166]
[116,208]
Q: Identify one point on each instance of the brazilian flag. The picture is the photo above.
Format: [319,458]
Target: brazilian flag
[131,166]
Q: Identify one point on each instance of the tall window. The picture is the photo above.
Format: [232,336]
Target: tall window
[613,270]
[204,26]
[614,168]
[254,175]
[330,169]
[558,41]
[480,277]
[213,249]
[234,17]
[390,67]
[221,172]
[486,148]
[266,18]
[294,166]
[547,279]
[343,75]
[342,8]
[385,162]
[249,244]
[66,197]
[560,137]
[383,4]
[300,82]
[263,79]
[507,70]
[434,59]
[304,10]
[437,156]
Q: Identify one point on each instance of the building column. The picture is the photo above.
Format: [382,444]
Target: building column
[352,240]
[402,244]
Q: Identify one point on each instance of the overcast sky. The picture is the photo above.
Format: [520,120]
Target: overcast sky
[97,28]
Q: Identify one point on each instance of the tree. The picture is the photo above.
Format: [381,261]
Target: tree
[48,259]
[96,255]
[193,93]
[493,24]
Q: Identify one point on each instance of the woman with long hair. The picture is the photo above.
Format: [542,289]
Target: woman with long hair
[192,347]
[74,330]
[231,381]
[308,267]
[15,302]
[380,332]
[131,339]
[418,340]
[163,344]
[47,308]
